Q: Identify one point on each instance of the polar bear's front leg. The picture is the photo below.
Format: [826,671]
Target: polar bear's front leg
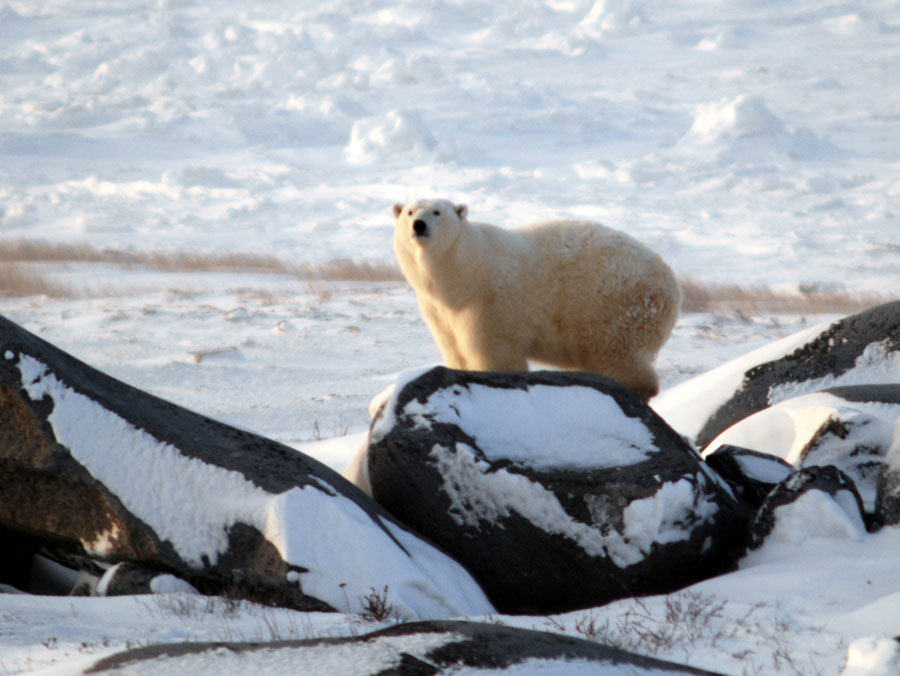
[444,336]
[471,339]
[485,345]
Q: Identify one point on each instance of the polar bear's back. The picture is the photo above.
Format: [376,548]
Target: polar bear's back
[573,250]
[596,280]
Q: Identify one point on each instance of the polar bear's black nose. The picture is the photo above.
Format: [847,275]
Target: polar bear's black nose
[420,227]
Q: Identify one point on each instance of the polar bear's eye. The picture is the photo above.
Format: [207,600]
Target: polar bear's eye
[410,212]
[437,213]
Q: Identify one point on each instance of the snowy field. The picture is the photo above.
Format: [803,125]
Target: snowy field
[745,141]
[749,143]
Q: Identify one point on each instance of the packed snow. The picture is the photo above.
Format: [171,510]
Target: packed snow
[511,424]
[817,515]
[767,132]
[748,143]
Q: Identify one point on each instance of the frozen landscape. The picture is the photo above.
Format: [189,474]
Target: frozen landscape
[751,144]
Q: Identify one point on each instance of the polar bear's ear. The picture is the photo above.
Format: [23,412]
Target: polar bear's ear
[398,209]
[462,211]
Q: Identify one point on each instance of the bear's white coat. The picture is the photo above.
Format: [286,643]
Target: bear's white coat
[572,294]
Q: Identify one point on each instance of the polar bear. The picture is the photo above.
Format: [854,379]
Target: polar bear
[571,294]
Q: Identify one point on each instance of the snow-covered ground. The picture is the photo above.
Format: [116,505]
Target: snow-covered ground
[754,143]
[745,141]
[300,364]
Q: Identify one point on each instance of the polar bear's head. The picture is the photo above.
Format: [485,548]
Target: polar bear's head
[432,223]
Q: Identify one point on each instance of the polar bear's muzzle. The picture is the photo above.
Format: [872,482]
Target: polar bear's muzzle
[420,229]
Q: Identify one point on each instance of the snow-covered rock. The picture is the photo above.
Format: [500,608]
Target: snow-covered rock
[93,469]
[533,480]
[813,502]
[862,349]
[887,500]
[750,474]
[419,648]
[852,428]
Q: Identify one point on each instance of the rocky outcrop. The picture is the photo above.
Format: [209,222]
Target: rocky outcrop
[556,490]
[94,470]
[852,428]
[860,349]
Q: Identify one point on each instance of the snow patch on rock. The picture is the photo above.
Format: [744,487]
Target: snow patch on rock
[876,365]
[196,523]
[815,515]
[478,494]
[382,406]
[542,426]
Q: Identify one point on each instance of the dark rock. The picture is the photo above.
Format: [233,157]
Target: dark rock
[750,474]
[414,649]
[94,469]
[855,442]
[887,505]
[887,500]
[829,482]
[15,562]
[556,490]
[880,394]
[833,353]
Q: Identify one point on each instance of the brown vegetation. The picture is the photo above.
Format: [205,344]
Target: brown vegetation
[19,280]
[701,297]
[18,277]
[337,270]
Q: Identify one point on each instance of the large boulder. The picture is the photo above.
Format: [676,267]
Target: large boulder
[94,470]
[413,649]
[862,349]
[556,490]
[853,428]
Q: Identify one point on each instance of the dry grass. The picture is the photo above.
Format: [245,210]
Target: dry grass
[700,297]
[693,622]
[19,279]
[337,270]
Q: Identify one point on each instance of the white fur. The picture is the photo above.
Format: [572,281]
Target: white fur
[573,294]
